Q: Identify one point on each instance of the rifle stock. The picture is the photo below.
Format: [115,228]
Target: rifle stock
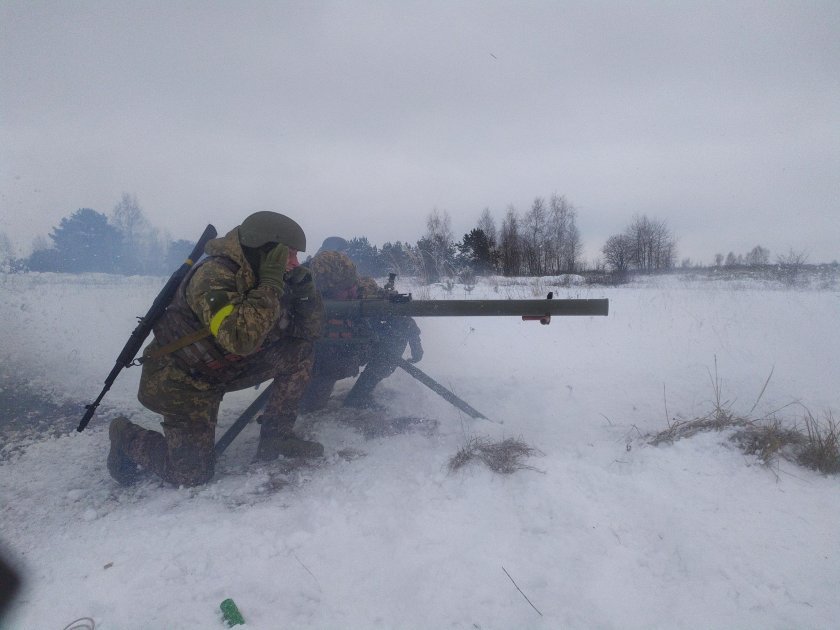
[147,322]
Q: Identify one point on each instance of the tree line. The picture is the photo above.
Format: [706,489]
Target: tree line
[542,241]
[89,241]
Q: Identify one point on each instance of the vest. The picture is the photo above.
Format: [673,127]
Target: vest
[203,356]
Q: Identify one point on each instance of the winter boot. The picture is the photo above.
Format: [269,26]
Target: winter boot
[361,394]
[277,439]
[122,469]
[289,445]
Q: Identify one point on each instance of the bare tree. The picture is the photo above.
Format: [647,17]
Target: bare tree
[509,244]
[618,252]
[572,249]
[437,247]
[128,218]
[791,265]
[439,227]
[718,260]
[654,246]
[550,237]
[758,256]
[144,249]
[487,224]
[565,247]
[535,238]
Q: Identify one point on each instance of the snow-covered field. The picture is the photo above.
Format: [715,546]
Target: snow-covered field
[607,532]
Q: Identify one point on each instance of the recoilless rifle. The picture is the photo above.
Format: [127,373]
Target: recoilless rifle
[377,314]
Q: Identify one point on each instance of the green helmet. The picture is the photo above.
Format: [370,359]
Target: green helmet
[334,244]
[271,227]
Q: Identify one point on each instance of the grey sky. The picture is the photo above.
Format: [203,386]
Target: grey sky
[359,118]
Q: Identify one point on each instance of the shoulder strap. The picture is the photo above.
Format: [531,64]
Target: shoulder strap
[183,342]
[198,335]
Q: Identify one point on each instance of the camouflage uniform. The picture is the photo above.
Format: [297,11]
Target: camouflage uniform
[347,345]
[254,335]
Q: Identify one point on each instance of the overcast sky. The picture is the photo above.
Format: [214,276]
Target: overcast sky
[360,118]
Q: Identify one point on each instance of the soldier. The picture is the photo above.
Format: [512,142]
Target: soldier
[245,314]
[347,344]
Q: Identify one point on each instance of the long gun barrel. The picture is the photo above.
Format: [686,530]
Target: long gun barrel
[146,323]
[404,305]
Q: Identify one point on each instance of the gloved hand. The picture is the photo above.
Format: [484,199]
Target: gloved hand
[300,284]
[273,267]
[416,349]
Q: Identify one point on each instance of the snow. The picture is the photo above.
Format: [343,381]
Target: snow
[606,532]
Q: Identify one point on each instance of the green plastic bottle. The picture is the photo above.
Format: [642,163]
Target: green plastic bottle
[231,613]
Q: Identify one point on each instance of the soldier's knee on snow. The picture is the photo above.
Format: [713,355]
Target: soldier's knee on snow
[197,474]
[198,477]
[191,456]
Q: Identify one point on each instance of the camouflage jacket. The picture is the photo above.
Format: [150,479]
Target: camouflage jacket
[222,299]
[347,344]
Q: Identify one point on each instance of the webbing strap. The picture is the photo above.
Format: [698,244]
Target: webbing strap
[183,342]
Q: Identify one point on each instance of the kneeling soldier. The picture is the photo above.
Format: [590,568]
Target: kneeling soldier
[245,314]
[378,344]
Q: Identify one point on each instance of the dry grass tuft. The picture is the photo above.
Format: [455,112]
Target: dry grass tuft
[768,442]
[822,448]
[721,417]
[817,447]
[686,428]
[503,457]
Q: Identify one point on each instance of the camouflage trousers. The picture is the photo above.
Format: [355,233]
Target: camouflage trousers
[184,453]
[331,365]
